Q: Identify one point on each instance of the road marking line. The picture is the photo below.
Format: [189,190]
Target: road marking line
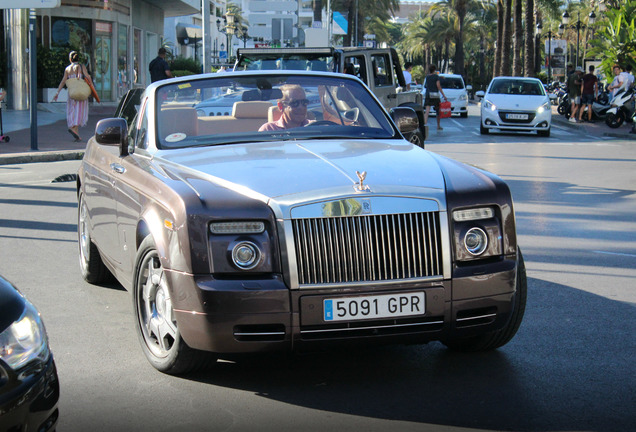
[457,123]
[615,253]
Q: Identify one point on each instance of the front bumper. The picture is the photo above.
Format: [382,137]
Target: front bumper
[28,399]
[497,120]
[232,316]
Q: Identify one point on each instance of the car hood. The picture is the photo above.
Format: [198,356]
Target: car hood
[517,102]
[317,168]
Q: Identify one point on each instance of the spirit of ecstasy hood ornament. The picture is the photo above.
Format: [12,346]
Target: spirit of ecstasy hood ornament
[361,186]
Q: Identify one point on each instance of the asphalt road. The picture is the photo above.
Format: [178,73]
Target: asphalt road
[570,368]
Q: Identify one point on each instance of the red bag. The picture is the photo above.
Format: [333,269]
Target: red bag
[444,109]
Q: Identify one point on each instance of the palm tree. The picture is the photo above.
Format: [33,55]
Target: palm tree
[459,10]
[360,11]
[518,42]
[499,48]
[528,54]
[507,36]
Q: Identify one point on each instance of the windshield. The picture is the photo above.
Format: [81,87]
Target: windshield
[452,83]
[236,108]
[286,61]
[516,86]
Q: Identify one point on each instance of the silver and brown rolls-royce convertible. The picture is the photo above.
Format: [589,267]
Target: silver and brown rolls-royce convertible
[302,220]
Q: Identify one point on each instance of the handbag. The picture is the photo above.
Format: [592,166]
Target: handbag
[433,95]
[78,89]
[444,109]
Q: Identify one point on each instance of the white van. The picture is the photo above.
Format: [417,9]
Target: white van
[455,90]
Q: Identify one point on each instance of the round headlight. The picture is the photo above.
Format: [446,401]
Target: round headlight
[475,241]
[246,255]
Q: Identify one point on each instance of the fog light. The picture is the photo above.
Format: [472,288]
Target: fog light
[475,241]
[246,255]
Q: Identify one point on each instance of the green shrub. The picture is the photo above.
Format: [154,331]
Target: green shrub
[51,65]
[185,64]
[180,73]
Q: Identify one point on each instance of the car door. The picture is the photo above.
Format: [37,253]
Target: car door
[132,170]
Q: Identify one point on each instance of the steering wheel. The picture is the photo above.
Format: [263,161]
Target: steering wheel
[322,123]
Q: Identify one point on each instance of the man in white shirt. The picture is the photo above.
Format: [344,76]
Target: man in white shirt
[618,82]
[628,77]
[408,66]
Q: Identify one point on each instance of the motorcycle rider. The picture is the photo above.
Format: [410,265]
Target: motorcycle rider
[589,92]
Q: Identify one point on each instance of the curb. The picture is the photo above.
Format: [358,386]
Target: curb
[46,156]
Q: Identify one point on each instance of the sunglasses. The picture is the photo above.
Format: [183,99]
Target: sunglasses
[296,103]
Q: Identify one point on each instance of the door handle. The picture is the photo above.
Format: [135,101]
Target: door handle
[117,168]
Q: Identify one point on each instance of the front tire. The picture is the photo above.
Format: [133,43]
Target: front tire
[483,130]
[544,133]
[498,338]
[91,264]
[155,321]
[615,120]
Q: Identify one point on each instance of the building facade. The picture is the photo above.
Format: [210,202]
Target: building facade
[117,40]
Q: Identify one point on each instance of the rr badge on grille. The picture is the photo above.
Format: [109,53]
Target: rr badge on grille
[361,176]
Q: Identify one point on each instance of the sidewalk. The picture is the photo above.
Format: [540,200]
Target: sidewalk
[54,141]
[598,128]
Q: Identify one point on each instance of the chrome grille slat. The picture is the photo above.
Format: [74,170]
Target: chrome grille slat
[367,248]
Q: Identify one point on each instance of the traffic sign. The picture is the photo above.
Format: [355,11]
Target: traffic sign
[30,4]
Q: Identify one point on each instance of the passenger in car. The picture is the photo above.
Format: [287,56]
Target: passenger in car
[293,106]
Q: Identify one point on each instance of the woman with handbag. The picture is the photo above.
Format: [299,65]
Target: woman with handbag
[433,91]
[75,77]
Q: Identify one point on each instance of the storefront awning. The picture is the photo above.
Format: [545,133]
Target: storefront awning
[189,34]
[178,7]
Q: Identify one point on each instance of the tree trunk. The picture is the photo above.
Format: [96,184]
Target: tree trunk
[499,47]
[529,39]
[507,43]
[518,41]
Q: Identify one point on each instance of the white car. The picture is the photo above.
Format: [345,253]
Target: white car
[456,92]
[517,104]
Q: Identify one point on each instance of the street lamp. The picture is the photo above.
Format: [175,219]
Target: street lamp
[549,56]
[228,28]
[244,36]
[578,25]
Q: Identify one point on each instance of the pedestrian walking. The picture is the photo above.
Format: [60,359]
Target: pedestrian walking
[574,91]
[433,91]
[159,67]
[589,92]
[76,110]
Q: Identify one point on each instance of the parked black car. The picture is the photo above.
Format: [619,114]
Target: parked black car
[29,388]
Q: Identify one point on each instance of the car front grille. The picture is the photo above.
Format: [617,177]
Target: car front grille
[368,248]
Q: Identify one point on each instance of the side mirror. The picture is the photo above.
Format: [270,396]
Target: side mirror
[405,119]
[113,132]
[480,93]
[469,87]
[553,97]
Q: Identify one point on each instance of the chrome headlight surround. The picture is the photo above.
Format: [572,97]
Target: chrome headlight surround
[25,340]
[477,233]
[242,246]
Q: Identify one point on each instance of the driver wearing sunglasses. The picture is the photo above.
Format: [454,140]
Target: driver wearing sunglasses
[293,108]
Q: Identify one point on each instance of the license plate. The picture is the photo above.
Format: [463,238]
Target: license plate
[379,306]
[517,116]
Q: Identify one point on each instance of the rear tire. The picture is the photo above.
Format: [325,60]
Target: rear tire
[91,265]
[155,320]
[417,138]
[499,338]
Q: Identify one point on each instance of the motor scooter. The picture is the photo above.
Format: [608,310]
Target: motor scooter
[622,108]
